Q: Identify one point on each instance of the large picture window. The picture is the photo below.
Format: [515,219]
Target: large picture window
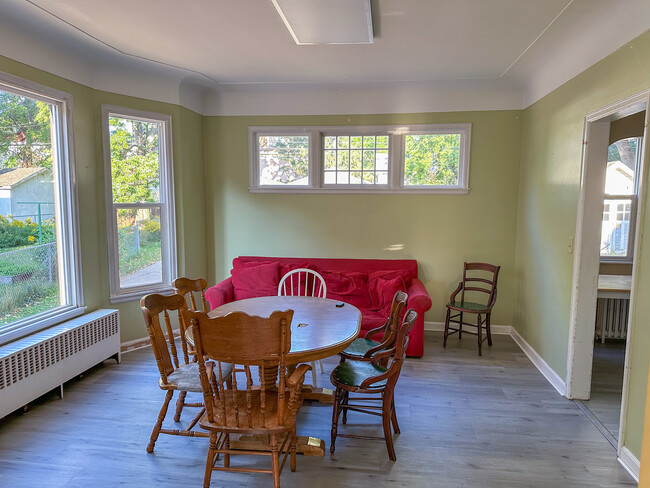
[142,250]
[40,282]
[373,159]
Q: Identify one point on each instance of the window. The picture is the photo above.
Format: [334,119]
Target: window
[40,279]
[141,230]
[620,202]
[417,158]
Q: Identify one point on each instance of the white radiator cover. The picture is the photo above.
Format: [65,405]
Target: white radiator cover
[36,364]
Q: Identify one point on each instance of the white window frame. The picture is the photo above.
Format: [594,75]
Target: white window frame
[67,210]
[634,203]
[166,205]
[396,133]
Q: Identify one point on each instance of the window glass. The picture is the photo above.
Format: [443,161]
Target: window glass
[355,160]
[431,159]
[283,160]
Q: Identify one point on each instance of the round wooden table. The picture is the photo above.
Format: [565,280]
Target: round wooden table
[319,329]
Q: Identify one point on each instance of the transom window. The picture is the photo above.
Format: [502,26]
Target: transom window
[431,158]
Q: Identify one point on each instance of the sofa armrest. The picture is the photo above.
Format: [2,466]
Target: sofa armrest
[419,298]
[220,293]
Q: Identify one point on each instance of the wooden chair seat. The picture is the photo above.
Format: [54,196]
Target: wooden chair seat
[244,414]
[359,348]
[350,375]
[186,378]
[468,307]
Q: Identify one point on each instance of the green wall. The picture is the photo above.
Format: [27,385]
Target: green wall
[440,231]
[187,133]
[548,201]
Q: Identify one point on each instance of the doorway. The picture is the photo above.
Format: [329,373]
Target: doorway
[602,368]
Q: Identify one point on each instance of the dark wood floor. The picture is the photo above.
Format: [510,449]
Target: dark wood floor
[466,422]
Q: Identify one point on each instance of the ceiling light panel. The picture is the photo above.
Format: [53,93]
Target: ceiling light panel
[327,21]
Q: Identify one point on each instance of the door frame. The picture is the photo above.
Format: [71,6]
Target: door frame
[587,254]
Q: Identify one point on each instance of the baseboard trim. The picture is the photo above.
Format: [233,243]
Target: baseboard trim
[551,376]
[629,461]
[496,329]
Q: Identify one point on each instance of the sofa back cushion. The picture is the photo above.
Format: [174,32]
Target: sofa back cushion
[259,279]
[347,286]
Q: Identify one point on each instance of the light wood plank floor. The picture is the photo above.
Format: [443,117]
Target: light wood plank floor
[466,422]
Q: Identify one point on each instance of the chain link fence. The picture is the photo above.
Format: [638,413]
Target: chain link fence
[28,281]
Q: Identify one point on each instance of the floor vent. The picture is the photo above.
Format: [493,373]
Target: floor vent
[34,365]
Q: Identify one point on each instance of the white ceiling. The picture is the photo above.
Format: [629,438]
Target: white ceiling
[227,56]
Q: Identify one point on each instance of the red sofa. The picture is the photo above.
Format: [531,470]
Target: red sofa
[368,284]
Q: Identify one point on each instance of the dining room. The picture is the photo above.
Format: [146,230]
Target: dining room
[130,159]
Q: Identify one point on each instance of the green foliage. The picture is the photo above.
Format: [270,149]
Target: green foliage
[132,259]
[431,159]
[12,268]
[15,233]
[284,159]
[25,298]
[134,160]
[24,132]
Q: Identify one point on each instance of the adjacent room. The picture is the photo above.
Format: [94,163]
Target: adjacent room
[229,231]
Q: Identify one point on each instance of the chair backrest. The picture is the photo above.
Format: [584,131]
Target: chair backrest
[480,278]
[393,323]
[302,282]
[242,340]
[393,359]
[192,290]
[172,308]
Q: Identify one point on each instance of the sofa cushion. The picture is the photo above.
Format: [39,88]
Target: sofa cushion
[386,289]
[378,286]
[255,280]
[371,319]
[347,286]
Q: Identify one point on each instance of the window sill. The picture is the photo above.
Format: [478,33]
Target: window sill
[19,331]
[616,260]
[138,294]
[393,191]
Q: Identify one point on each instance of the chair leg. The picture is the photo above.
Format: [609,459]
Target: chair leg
[179,405]
[159,421]
[275,460]
[460,326]
[226,446]
[335,417]
[314,376]
[444,340]
[388,435]
[294,439]
[394,418]
[487,328]
[320,364]
[344,401]
[479,333]
[209,463]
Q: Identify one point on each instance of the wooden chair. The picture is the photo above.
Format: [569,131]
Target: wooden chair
[191,291]
[174,375]
[244,340]
[479,279]
[376,377]
[363,348]
[306,283]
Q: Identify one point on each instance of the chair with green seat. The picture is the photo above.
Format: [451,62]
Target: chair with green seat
[479,279]
[376,378]
[363,348]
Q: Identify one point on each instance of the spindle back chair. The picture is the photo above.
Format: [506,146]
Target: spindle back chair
[238,340]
